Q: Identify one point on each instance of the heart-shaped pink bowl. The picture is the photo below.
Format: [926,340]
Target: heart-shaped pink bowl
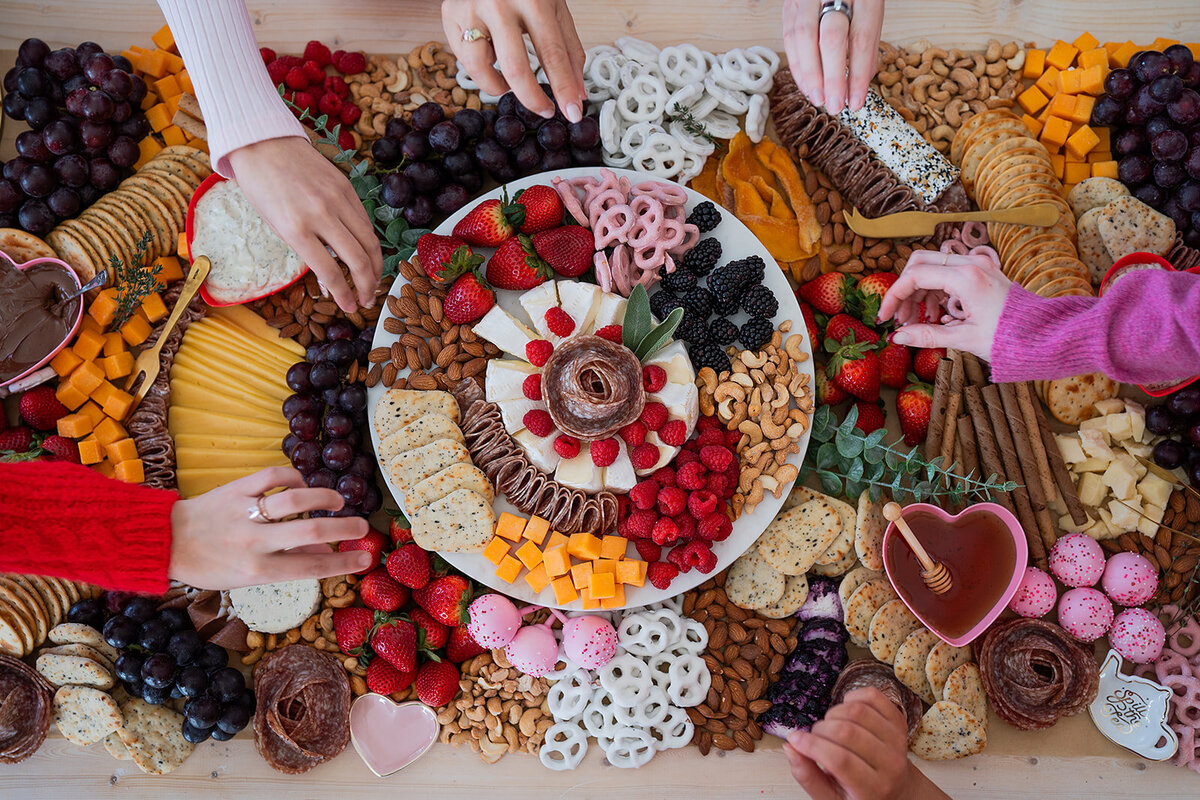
[74,323]
[388,735]
[1021,558]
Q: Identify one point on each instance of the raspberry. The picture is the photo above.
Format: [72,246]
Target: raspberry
[315,51]
[349,116]
[678,558]
[330,104]
[660,574]
[267,55]
[537,351]
[732,438]
[291,61]
[604,452]
[305,101]
[654,415]
[715,458]
[654,377]
[648,550]
[531,387]
[314,72]
[671,501]
[538,421]
[674,433]
[712,436]
[277,70]
[665,476]
[296,78]
[644,494]
[709,423]
[638,525]
[690,476]
[716,527]
[346,140]
[694,554]
[702,502]
[685,456]
[687,527]
[665,531]
[559,322]
[722,485]
[337,56]
[610,332]
[336,84]
[351,63]
[634,433]
[566,446]
[644,456]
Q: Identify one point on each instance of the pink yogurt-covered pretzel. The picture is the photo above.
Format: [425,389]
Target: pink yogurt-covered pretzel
[1171,665]
[953,246]
[570,199]
[973,234]
[603,271]
[614,226]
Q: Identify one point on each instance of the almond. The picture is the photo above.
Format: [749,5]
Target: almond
[743,740]
[379,355]
[723,742]
[759,706]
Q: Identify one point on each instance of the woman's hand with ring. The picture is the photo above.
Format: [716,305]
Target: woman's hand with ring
[833,55]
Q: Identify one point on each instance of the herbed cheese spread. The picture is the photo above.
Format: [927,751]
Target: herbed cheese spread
[248,258]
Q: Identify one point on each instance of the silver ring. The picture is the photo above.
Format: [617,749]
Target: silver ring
[838,6]
[474,35]
[258,512]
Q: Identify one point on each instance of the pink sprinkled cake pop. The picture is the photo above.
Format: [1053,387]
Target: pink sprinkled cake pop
[1036,594]
[1137,635]
[1077,560]
[534,650]
[1085,613]
[590,642]
[494,620]
[1129,579]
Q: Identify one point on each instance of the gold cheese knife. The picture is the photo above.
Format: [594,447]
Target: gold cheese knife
[907,224]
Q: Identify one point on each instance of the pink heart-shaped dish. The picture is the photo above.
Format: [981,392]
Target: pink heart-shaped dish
[985,551]
[388,735]
[36,353]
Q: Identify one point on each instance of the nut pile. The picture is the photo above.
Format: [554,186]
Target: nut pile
[756,397]
[937,90]
[393,88]
[438,352]
[745,655]
[302,311]
[336,592]
[499,711]
[1175,556]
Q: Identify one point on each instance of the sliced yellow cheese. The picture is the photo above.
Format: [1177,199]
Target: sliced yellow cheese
[233,368]
[188,457]
[254,325]
[231,376]
[192,482]
[225,341]
[181,419]
[186,393]
[205,380]
[219,441]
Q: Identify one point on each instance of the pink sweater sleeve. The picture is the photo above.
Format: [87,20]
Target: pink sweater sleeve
[1145,329]
[240,105]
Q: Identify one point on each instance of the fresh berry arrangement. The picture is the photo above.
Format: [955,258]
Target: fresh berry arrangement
[316,83]
[36,439]
[1178,419]
[83,109]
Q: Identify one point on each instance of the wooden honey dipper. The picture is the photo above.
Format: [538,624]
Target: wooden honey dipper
[934,573]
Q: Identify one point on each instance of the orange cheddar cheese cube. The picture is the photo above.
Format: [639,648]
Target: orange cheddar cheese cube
[1055,134]
[147,149]
[1162,43]
[529,554]
[88,344]
[564,591]
[135,331]
[1195,48]
[536,529]
[1085,41]
[106,468]
[121,450]
[1034,126]
[93,412]
[604,565]
[159,117]
[1077,172]
[89,324]
[1062,55]
[556,539]
[1082,142]
[496,550]
[199,144]
[1048,83]
[104,392]
[1032,100]
[617,600]
[173,134]
[114,343]
[1035,64]
[130,471]
[181,249]
[557,561]
[537,578]
[603,585]
[153,63]
[1098,155]
[613,547]
[185,81]
[1082,113]
[1063,105]
[1092,57]
[104,307]
[508,569]
[169,266]
[87,377]
[108,430]
[73,426]
[1104,169]
[581,574]
[118,366]
[118,404]
[509,526]
[164,39]
[1068,81]
[91,451]
[584,546]
[1120,56]
[174,62]
[65,362]
[154,307]
[588,602]
[167,87]
[1058,164]
[69,396]
[631,572]
[1091,80]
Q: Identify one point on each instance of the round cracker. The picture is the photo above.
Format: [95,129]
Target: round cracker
[861,608]
[159,214]
[68,248]
[110,242]
[15,639]
[21,246]
[909,665]
[958,144]
[22,603]
[57,610]
[752,582]
[1073,400]
[890,626]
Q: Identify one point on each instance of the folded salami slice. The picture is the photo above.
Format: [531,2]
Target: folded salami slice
[865,672]
[593,387]
[26,709]
[303,713]
[1181,256]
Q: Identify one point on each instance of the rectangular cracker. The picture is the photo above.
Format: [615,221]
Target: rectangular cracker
[1128,225]
[413,466]
[398,407]
[78,633]
[943,659]
[861,608]
[421,431]
[795,539]
[85,715]
[890,626]
[440,484]
[965,687]
[460,522]
[868,531]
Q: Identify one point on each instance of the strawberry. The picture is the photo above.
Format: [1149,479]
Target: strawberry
[409,566]
[914,405]
[436,683]
[925,362]
[383,678]
[868,294]
[399,529]
[461,646]
[855,368]
[379,591]
[445,257]
[569,249]
[828,392]
[396,643]
[543,208]
[446,599]
[515,265]
[468,299]
[894,363]
[841,326]
[827,293]
[352,626]
[374,543]
[810,322]
[431,634]
[61,449]
[490,223]
[40,409]
[870,416]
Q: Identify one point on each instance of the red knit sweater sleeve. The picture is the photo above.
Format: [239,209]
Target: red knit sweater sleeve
[68,521]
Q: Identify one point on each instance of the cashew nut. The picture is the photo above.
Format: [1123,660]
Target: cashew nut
[399,82]
[794,346]
[743,379]
[1016,62]
[753,360]
[729,389]
[752,430]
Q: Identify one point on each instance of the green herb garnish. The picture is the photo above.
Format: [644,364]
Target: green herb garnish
[638,331]
[136,281]
[691,125]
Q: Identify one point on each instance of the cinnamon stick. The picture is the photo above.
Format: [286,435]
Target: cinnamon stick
[973,369]
[953,407]
[966,435]
[1025,459]
[1012,468]
[1027,402]
[937,412]
[989,457]
[1062,478]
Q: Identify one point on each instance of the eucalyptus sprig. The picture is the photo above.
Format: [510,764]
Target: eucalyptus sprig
[638,331]
[691,125]
[847,461]
[135,281]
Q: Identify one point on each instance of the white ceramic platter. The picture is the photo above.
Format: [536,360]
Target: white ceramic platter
[736,242]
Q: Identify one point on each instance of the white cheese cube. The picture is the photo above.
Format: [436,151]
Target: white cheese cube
[1154,512]
[1135,466]
[1095,424]
[1095,443]
[1135,448]
[1121,479]
[1091,465]
[1137,424]
[1125,513]
[1071,449]
[1155,491]
[1147,526]
[1119,426]
[619,475]
[1091,489]
[513,412]
[1112,405]
[1097,531]
[1068,524]
[580,472]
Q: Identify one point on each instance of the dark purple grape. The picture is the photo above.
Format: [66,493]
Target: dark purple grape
[592,157]
[14,106]
[226,684]
[397,128]
[470,122]
[137,127]
[289,443]
[1134,169]
[1188,195]
[64,202]
[158,670]
[122,63]
[1192,238]
[1193,434]
[508,131]
[14,168]
[1185,109]
[1151,195]
[203,712]
[490,154]
[10,80]
[1191,162]
[531,118]
[306,457]
[296,403]
[445,137]
[297,377]
[552,135]
[555,159]
[233,719]
[33,52]
[1176,212]
[97,106]
[489,119]
[1148,65]
[471,181]
[363,465]
[59,137]
[193,734]
[74,83]
[87,612]
[97,66]
[1179,56]
[33,82]
[1191,78]
[1184,404]
[176,619]
[31,145]
[1169,454]
[184,647]
[426,115]
[213,656]
[338,424]
[339,329]
[1158,125]
[192,681]
[585,134]
[527,156]
[74,101]
[10,197]
[419,213]
[122,111]
[1138,117]
[138,93]
[353,398]
[373,501]
[506,105]
[121,631]
[1166,88]
[154,635]
[352,488]
[123,152]
[305,425]
[329,396]
[425,176]
[321,478]
[8,221]
[105,175]
[337,455]
[1194,475]
[458,162]
[128,666]
[36,217]
[37,181]
[1145,102]
[386,152]
[118,84]
[451,198]
[340,352]
[415,146]
[1169,146]
[1195,224]
[506,173]
[89,194]
[62,64]
[324,375]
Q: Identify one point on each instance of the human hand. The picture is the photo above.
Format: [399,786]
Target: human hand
[215,544]
[942,280]
[503,23]
[310,203]
[818,50]
[859,751]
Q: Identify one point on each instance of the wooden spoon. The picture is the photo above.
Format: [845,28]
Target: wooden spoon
[935,574]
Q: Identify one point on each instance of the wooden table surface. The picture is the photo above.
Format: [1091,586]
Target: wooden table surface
[1070,761]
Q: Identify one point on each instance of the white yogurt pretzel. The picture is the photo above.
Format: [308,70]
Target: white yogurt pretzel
[611,129]
[674,731]
[660,670]
[642,635]
[570,695]
[627,679]
[646,714]
[557,673]
[564,747]
[766,54]
[599,717]
[690,681]
[637,49]
[605,72]
[661,155]
[691,143]
[671,621]
[734,101]
[629,747]
[682,64]
[756,117]
[686,96]
[721,124]
[695,636]
[643,99]
[747,71]
[635,135]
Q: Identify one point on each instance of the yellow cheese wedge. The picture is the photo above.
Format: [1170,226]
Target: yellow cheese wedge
[207,381]
[221,441]
[192,482]
[185,393]
[188,457]
[254,325]
[233,368]
[181,419]
[227,337]
[232,376]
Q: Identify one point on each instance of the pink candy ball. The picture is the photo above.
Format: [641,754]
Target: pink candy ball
[1077,560]
[1086,614]
[493,620]
[534,650]
[1137,635]
[1035,595]
[1129,579]
[590,642]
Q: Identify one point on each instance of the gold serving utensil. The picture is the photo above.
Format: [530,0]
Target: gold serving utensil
[907,224]
[934,573]
[147,364]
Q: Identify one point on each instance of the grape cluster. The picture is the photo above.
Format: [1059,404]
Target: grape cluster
[1153,108]
[83,108]
[163,658]
[439,164]
[327,416]
[1178,417]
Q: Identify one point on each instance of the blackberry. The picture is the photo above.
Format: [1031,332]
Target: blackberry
[663,303]
[756,267]
[722,331]
[726,306]
[703,257]
[709,355]
[692,329]
[705,216]
[699,300]
[759,301]
[756,332]
[679,281]
[729,283]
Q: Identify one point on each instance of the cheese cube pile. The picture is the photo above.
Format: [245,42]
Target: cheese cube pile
[591,569]
[1118,492]
[167,81]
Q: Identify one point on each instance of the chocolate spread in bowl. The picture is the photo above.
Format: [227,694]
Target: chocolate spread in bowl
[593,387]
[32,321]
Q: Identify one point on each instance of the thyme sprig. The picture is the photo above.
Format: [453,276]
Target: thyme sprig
[687,119]
[136,280]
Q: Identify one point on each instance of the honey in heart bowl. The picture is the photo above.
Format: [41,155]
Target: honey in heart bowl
[984,550]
